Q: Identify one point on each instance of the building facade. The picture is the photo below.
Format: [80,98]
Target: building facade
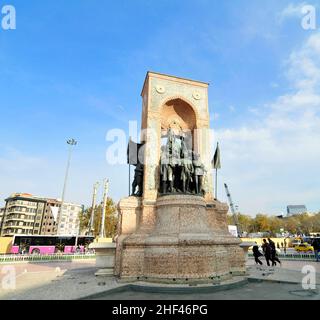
[49,221]
[69,222]
[22,215]
[1,216]
[25,214]
[296,209]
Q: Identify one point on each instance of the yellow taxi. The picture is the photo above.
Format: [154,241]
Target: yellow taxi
[304,247]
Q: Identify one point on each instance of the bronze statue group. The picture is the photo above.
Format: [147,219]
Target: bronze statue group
[181,169]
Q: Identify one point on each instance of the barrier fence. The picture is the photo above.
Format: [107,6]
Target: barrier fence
[291,256]
[14,258]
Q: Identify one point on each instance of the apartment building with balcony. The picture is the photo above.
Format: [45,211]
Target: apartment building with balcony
[50,218]
[25,214]
[22,214]
[1,216]
[70,222]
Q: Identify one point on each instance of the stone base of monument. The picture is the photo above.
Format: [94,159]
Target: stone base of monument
[105,257]
[245,246]
[187,242]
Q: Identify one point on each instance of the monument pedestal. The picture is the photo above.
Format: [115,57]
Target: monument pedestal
[184,243]
[245,246]
[105,258]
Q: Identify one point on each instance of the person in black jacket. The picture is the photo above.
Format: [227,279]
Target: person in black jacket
[267,251]
[257,254]
[274,257]
[316,248]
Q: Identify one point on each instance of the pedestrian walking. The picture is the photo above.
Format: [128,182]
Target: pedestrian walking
[316,248]
[285,246]
[257,254]
[267,251]
[274,257]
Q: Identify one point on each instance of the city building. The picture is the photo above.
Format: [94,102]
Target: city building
[70,222]
[1,216]
[293,210]
[22,215]
[50,217]
[25,214]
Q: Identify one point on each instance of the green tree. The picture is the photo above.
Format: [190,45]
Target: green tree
[290,225]
[303,223]
[315,222]
[261,223]
[84,218]
[111,219]
[275,225]
[245,222]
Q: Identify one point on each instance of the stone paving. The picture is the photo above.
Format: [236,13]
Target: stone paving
[289,272]
[56,281]
[76,280]
[250,291]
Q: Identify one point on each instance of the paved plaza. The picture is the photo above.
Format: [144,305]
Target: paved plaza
[76,280]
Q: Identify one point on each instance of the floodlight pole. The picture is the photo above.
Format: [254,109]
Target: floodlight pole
[72,143]
[104,205]
[94,198]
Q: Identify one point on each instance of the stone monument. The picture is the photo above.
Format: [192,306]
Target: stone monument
[173,230]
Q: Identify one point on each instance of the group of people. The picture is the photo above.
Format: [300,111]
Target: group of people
[269,252]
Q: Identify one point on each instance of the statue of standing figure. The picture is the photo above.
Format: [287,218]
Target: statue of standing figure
[174,153]
[166,170]
[187,169]
[174,146]
[199,172]
[138,181]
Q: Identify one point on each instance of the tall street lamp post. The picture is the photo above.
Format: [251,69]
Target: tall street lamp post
[91,222]
[104,207]
[72,143]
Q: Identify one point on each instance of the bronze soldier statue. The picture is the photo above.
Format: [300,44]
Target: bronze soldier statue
[187,168]
[138,181]
[199,172]
[174,146]
[166,170]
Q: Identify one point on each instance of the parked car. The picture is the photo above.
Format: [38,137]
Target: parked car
[304,247]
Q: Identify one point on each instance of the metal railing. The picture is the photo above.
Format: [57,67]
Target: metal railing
[291,256]
[15,258]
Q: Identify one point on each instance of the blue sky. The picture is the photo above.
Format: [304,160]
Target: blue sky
[75,69]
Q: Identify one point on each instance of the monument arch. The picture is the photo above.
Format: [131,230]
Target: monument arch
[175,236]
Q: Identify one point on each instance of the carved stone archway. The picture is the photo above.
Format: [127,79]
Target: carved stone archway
[180,116]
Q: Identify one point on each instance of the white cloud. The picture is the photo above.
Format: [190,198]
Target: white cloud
[255,111]
[274,160]
[232,108]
